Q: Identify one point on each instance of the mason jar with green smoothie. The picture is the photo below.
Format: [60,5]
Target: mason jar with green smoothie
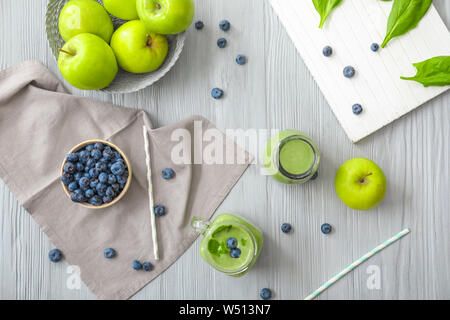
[291,157]
[230,244]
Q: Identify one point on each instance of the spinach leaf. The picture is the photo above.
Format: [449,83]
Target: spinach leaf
[404,16]
[324,8]
[432,72]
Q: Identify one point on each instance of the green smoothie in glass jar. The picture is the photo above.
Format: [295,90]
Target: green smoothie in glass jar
[291,157]
[230,244]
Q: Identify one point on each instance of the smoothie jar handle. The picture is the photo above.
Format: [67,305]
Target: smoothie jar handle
[200,224]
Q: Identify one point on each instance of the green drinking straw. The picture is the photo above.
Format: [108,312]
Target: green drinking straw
[372,252]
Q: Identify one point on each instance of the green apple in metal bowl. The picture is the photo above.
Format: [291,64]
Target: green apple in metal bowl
[136,49]
[87,62]
[360,184]
[166,16]
[122,9]
[84,16]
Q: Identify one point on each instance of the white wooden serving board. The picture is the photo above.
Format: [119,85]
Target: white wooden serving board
[350,30]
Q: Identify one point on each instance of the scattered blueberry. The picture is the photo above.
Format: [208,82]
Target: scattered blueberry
[217,93]
[241,59]
[55,255]
[159,211]
[286,227]
[349,72]
[222,43]
[199,25]
[265,294]
[374,47]
[232,243]
[357,108]
[167,173]
[136,265]
[235,253]
[315,175]
[109,253]
[326,228]
[327,51]
[147,266]
[224,25]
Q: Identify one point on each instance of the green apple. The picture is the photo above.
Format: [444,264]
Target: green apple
[122,9]
[85,16]
[136,49]
[87,62]
[166,16]
[360,184]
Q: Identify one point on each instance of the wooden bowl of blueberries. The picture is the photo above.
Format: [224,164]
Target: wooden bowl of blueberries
[96,174]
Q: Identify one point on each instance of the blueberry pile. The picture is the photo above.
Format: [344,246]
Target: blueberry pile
[232,245]
[96,174]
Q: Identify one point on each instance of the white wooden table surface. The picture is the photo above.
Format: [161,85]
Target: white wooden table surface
[274,90]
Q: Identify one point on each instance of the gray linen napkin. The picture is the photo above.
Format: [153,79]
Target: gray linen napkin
[40,122]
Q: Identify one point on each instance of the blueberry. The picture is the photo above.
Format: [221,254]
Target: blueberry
[110,192]
[222,43]
[327,51]
[116,187]
[103,177]
[72,186]
[112,179]
[235,253]
[117,155]
[55,255]
[357,108]
[101,166]
[147,266]
[84,183]
[315,175]
[374,47]
[167,173]
[286,227]
[108,150]
[87,175]
[109,253]
[106,157]
[66,178]
[326,228]
[79,167]
[90,163]
[89,148]
[72,157]
[136,265]
[73,197]
[107,199]
[217,93]
[77,176]
[241,59]
[159,211]
[122,179]
[122,185]
[232,243]
[101,188]
[93,183]
[349,72]
[83,156]
[69,167]
[93,173]
[265,294]
[117,168]
[98,146]
[95,200]
[78,196]
[199,25]
[89,193]
[224,25]
[96,154]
